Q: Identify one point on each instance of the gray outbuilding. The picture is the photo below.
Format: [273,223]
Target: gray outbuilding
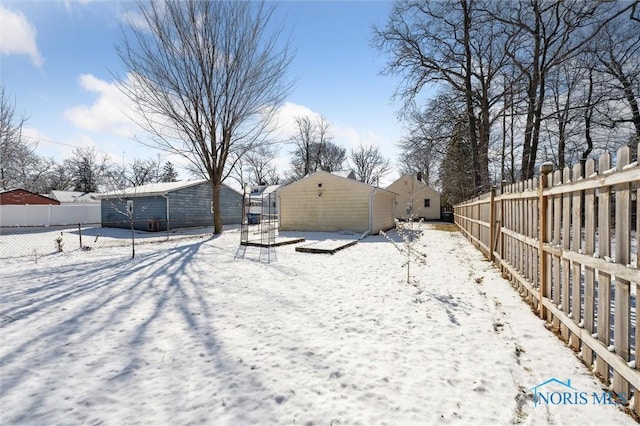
[171,205]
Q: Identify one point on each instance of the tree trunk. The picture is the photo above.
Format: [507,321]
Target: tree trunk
[473,133]
[217,216]
[562,143]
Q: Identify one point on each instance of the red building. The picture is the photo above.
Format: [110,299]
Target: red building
[22,197]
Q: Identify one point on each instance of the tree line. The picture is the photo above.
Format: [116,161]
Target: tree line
[86,170]
[90,171]
[490,89]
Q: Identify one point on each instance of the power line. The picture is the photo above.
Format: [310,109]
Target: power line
[39,139]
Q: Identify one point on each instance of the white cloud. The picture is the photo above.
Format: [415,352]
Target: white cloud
[110,113]
[343,134]
[285,119]
[18,36]
[134,19]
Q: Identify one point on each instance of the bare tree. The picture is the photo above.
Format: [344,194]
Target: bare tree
[369,165]
[59,177]
[325,149]
[303,140]
[544,35]
[206,77]
[257,168]
[450,43]
[430,132]
[314,149]
[311,139]
[142,172]
[617,53]
[332,157]
[260,165]
[13,148]
[563,121]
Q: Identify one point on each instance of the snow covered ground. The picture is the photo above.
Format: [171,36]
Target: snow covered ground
[196,331]
[38,241]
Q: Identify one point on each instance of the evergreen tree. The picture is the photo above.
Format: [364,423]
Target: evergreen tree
[169,173]
[456,172]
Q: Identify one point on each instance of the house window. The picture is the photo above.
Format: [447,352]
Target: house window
[427,202]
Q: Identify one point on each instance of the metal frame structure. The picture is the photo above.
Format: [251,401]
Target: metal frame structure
[259,223]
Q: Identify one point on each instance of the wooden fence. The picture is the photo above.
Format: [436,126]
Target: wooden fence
[566,243]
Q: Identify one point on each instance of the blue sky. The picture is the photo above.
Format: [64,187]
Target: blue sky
[58,59]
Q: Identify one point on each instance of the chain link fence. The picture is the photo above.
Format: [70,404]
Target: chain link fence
[38,241]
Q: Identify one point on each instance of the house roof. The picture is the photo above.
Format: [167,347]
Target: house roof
[4,191]
[260,191]
[8,199]
[349,174]
[155,189]
[353,181]
[404,177]
[152,189]
[74,196]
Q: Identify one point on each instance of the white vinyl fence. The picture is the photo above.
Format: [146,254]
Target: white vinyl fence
[46,215]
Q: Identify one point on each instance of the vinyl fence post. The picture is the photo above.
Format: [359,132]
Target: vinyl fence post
[543,236]
[80,234]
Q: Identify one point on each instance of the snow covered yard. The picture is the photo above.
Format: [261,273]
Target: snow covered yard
[187,333]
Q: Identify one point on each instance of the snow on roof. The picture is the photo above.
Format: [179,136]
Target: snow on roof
[355,181]
[152,189]
[349,174]
[413,178]
[260,191]
[74,196]
[3,191]
[6,191]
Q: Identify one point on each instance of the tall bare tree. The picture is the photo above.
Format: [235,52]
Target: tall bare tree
[13,147]
[332,157]
[313,148]
[206,77]
[617,53]
[139,172]
[305,137]
[449,43]
[260,164]
[430,132]
[257,167]
[544,35]
[325,149]
[369,164]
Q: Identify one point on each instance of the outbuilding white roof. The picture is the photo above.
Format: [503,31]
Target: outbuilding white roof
[77,197]
[155,189]
[152,189]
